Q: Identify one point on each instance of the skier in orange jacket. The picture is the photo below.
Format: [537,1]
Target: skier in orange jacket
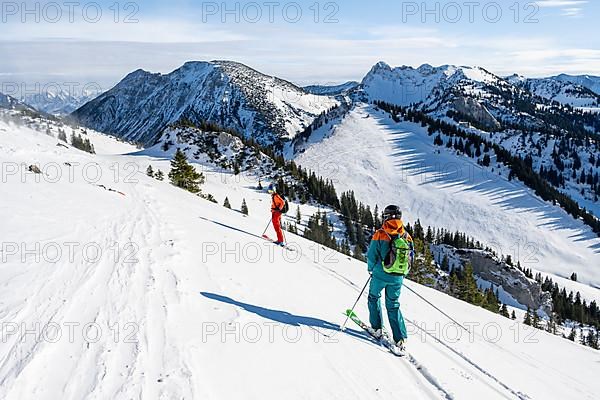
[277,205]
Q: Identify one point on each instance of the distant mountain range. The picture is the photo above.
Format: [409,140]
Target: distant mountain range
[587,81]
[273,111]
[58,103]
[269,109]
[10,103]
[332,90]
[560,90]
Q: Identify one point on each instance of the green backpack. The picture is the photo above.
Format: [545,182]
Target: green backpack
[397,260]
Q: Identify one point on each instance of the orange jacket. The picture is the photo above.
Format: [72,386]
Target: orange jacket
[392,228]
[278,203]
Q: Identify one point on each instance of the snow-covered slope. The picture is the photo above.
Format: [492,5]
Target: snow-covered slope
[386,162]
[562,91]
[227,93]
[545,152]
[164,295]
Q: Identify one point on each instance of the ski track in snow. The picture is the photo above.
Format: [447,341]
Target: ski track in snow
[421,368]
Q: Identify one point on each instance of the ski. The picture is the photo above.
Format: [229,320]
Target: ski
[384,340]
[284,246]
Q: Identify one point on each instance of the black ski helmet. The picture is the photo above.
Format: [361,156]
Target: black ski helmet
[392,212]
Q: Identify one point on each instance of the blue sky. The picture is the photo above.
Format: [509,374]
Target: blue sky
[339,42]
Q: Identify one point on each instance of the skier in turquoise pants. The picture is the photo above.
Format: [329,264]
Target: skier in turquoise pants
[391,282]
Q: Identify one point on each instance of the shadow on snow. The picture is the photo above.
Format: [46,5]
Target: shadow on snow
[286,318]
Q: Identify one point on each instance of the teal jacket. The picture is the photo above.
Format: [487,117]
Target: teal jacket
[380,247]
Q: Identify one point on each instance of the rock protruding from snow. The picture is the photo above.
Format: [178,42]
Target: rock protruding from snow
[221,149]
[514,288]
[469,106]
[514,282]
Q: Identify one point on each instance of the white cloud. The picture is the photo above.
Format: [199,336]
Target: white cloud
[146,30]
[572,12]
[569,8]
[560,3]
[304,54]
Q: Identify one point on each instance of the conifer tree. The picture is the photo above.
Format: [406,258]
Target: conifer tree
[226,203]
[160,175]
[592,339]
[551,326]
[528,319]
[345,248]
[376,220]
[358,254]
[536,320]
[150,171]
[244,207]
[574,276]
[298,215]
[184,175]
[82,144]
[445,263]
[583,338]
[470,292]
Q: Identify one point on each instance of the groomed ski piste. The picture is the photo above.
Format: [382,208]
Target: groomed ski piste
[168,296]
[398,162]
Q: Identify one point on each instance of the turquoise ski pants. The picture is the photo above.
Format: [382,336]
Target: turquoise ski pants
[392,304]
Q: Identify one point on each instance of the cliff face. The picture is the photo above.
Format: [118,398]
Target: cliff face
[477,111]
[526,291]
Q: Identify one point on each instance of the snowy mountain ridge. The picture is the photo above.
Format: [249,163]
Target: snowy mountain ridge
[559,90]
[10,103]
[473,92]
[332,90]
[588,81]
[407,85]
[233,95]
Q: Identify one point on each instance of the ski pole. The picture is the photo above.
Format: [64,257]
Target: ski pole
[265,231]
[343,328]
[432,305]
[284,237]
